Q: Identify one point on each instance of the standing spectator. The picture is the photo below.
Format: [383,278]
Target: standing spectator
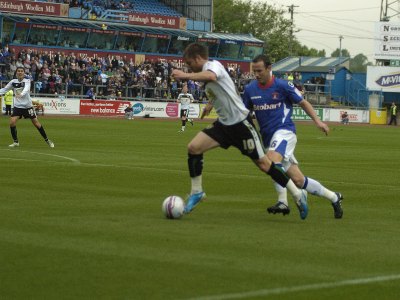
[19,63]
[174,89]
[13,69]
[8,101]
[104,78]
[34,69]
[191,86]
[393,114]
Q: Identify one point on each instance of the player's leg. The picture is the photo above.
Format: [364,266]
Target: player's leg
[282,205]
[42,132]
[13,129]
[314,187]
[183,119]
[279,176]
[189,119]
[247,140]
[197,146]
[280,151]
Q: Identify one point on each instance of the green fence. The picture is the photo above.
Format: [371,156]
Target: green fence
[300,114]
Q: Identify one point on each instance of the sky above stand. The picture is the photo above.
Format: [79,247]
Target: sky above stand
[320,23]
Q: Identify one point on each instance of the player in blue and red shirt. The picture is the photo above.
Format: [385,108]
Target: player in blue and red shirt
[272,100]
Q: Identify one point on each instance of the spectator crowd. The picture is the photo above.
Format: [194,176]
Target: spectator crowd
[110,77]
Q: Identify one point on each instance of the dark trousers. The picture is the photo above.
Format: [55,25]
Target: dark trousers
[8,110]
[393,119]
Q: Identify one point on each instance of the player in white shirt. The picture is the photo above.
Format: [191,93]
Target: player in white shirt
[23,106]
[233,127]
[185,99]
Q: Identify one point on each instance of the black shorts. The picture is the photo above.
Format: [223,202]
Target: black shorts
[27,113]
[242,135]
[184,113]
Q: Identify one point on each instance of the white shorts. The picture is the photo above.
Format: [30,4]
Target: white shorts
[284,142]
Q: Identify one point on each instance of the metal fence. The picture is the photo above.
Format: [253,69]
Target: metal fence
[101,92]
[316,94]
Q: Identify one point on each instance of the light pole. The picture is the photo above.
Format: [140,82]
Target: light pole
[291,11]
[340,47]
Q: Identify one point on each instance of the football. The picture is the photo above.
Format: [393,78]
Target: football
[173,207]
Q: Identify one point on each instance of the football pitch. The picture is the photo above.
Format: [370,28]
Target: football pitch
[84,221]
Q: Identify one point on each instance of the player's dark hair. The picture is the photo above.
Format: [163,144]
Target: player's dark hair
[194,49]
[262,57]
[20,68]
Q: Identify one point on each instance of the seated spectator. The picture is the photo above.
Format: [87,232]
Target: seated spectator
[90,94]
[345,118]
[129,112]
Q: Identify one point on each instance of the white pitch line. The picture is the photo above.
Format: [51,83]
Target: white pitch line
[75,161]
[300,288]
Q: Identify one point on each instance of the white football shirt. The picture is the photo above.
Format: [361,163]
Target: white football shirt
[21,89]
[185,100]
[223,95]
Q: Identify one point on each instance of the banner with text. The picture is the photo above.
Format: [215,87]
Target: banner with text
[59,106]
[386,79]
[140,109]
[156,109]
[103,107]
[34,8]
[56,106]
[387,40]
[300,114]
[157,21]
[355,116]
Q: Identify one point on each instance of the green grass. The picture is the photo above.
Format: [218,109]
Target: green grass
[84,221]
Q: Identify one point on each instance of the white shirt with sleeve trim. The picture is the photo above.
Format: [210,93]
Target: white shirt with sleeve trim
[185,100]
[223,95]
[22,98]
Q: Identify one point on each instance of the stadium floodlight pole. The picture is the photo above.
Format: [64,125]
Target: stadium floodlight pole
[340,48]
[291,11]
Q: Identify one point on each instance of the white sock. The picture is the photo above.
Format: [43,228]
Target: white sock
[314,187]
[293,190]
[183,128]
[197,185]
[282,193]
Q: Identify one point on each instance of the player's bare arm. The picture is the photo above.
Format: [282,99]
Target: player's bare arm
[308,108]
[204,76]
[6,88]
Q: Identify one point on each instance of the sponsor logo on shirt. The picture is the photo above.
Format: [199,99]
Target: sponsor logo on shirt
[267,106]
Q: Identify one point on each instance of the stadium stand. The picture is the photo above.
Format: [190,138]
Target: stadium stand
[105,9]
[68,56]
